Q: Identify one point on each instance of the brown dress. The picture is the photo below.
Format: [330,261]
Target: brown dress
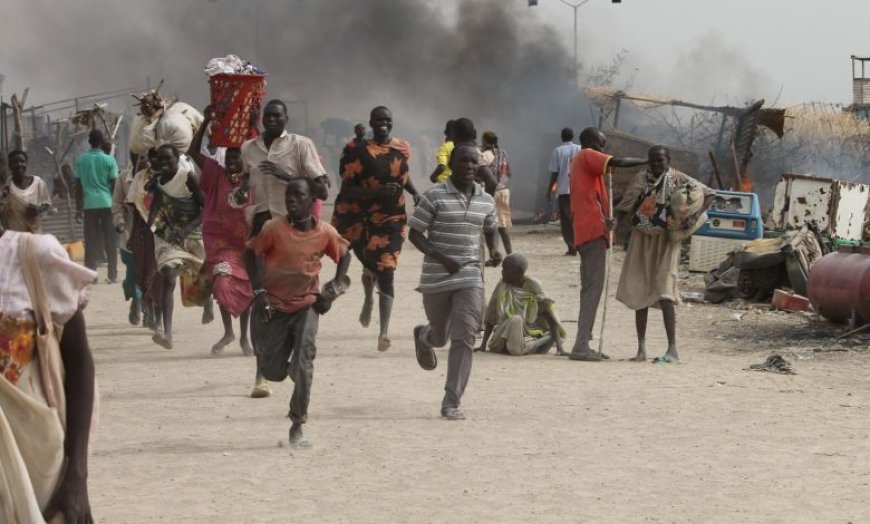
[649,273]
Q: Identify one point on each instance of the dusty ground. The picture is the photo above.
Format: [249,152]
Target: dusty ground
[547,439]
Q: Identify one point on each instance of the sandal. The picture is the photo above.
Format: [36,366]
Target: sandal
[425,354]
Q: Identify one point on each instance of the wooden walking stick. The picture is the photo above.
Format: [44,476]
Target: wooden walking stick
[609,258]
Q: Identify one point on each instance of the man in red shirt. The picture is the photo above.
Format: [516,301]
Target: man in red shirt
[590,207]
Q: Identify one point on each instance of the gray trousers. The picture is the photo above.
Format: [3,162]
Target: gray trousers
[457,315]
[285,347]
[593,263]
[101,238]
[566,223]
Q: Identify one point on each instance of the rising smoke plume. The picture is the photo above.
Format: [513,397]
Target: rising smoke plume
[490,60]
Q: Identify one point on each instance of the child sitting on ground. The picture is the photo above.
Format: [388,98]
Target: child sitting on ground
[284,265]
[519,318]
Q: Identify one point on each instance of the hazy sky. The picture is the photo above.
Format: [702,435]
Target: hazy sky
[799,46]
[710,51]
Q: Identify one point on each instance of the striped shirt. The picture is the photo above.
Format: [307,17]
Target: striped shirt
[453,225]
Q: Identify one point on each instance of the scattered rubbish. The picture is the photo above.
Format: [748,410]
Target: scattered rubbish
[788,301]
[853,332]
[688,296]
[836,205]
[737,317]
[802,353]
[733,214]
[774,364]
[707,253]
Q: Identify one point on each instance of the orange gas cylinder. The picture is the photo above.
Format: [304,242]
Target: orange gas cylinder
[839,285]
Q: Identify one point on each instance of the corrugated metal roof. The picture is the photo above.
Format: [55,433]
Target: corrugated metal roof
[62,224]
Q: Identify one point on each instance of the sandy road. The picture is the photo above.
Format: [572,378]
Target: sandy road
[547,440]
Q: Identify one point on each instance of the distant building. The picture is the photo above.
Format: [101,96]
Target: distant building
[860,86]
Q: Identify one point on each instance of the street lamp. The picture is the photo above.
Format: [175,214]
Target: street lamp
[575,6]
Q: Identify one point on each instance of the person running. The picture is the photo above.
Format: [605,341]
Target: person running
[464,132]
[176,218]
[590,209]
[141,243]
[28,199]
[370,213]
[46,379]
[95,174]
[651,268]
[123,211]
[284,264]
[446,228]
[560,168]
[493,157]
[269,161]
[520,319]
[442,170]
[224,233]
[278,151]
[359,134]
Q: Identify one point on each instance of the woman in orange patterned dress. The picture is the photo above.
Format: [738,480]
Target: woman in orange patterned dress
[370,212]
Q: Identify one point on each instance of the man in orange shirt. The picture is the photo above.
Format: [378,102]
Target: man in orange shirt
[590,207]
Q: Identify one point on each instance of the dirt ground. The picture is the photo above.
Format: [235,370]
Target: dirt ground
[546,440]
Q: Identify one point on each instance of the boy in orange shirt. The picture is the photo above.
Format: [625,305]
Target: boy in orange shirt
[284,265]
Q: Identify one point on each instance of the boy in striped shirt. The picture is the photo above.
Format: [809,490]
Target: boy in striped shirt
[446,228]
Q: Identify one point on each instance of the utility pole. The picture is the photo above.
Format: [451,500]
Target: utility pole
[575,7]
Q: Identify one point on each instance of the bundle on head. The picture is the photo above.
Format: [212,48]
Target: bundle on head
[150,102]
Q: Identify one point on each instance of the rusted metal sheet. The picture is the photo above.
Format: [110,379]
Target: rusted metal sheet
[744,135]
[849,201]
[838,207]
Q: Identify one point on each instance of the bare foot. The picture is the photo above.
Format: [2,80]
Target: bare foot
[297,439]
[247,349]
[162,340]
[640,357]
[384,343]
[207,315]
[221,344]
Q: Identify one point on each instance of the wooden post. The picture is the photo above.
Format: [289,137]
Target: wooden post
[4,128]
[17,106]
[716,171]
[737,173]
[114,133]
[33,123]
[616,112]
[721,134]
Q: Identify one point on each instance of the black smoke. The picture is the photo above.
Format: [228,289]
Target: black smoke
[491,60]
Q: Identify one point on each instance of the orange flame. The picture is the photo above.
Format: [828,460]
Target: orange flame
[746,184]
